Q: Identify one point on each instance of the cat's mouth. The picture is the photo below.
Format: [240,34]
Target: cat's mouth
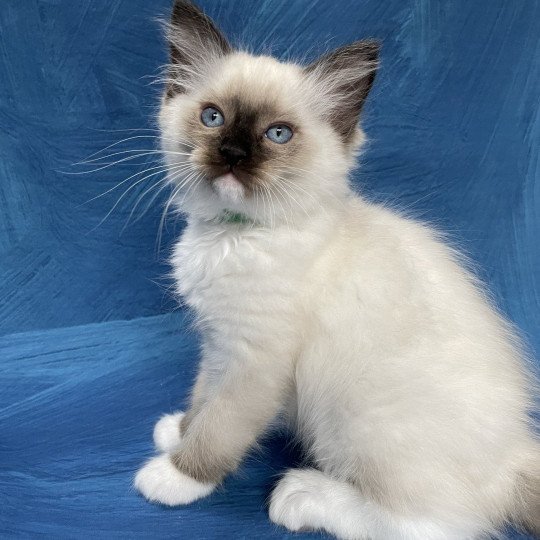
[242,175]
[229,187]
[230,182]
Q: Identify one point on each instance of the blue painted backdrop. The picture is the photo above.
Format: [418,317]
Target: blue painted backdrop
[91,349]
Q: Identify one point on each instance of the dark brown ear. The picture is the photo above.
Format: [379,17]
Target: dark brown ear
[194,41]
[345,76]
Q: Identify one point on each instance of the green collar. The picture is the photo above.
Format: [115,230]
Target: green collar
[228,216]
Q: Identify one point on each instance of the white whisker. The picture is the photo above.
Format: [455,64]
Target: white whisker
[129,158]
[140,151]
[159,137]
[158,169]
[121,197]
[174,194]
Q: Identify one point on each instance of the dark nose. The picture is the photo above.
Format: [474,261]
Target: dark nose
[232,153]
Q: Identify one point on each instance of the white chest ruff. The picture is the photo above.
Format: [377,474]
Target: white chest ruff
[234,275]
[204,263]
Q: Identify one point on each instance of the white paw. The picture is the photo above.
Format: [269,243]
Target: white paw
[160,481]
[295,503]
[167,437]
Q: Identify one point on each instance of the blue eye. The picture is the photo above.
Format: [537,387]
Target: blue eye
[280,133]
[211,117]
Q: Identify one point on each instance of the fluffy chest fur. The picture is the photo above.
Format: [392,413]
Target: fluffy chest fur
[242,281]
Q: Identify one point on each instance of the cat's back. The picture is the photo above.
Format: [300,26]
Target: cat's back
[402,293]
[384,255]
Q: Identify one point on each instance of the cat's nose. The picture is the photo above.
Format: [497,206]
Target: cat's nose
[232,153]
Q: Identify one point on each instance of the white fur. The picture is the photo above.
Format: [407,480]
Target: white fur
[306,499]
[229,189]
[167,436]
[400,361]
[398,374]
[160,481]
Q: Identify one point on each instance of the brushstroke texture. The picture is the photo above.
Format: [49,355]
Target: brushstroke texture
[89,357]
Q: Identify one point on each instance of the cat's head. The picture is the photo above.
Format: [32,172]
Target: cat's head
[250,134]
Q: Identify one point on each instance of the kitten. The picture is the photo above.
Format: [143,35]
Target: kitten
[407,389]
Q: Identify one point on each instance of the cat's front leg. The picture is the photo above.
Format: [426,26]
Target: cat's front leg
[217,436]
[170,427]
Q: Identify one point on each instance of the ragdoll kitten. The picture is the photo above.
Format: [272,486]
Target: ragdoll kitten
[359,326]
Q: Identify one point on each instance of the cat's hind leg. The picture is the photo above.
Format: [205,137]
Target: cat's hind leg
[307,499]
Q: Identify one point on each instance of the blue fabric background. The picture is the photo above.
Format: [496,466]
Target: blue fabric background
[92,348]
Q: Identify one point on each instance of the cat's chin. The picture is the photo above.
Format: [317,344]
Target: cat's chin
[228,188]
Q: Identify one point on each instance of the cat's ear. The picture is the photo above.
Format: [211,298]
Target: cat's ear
[344,77]
[194,42]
